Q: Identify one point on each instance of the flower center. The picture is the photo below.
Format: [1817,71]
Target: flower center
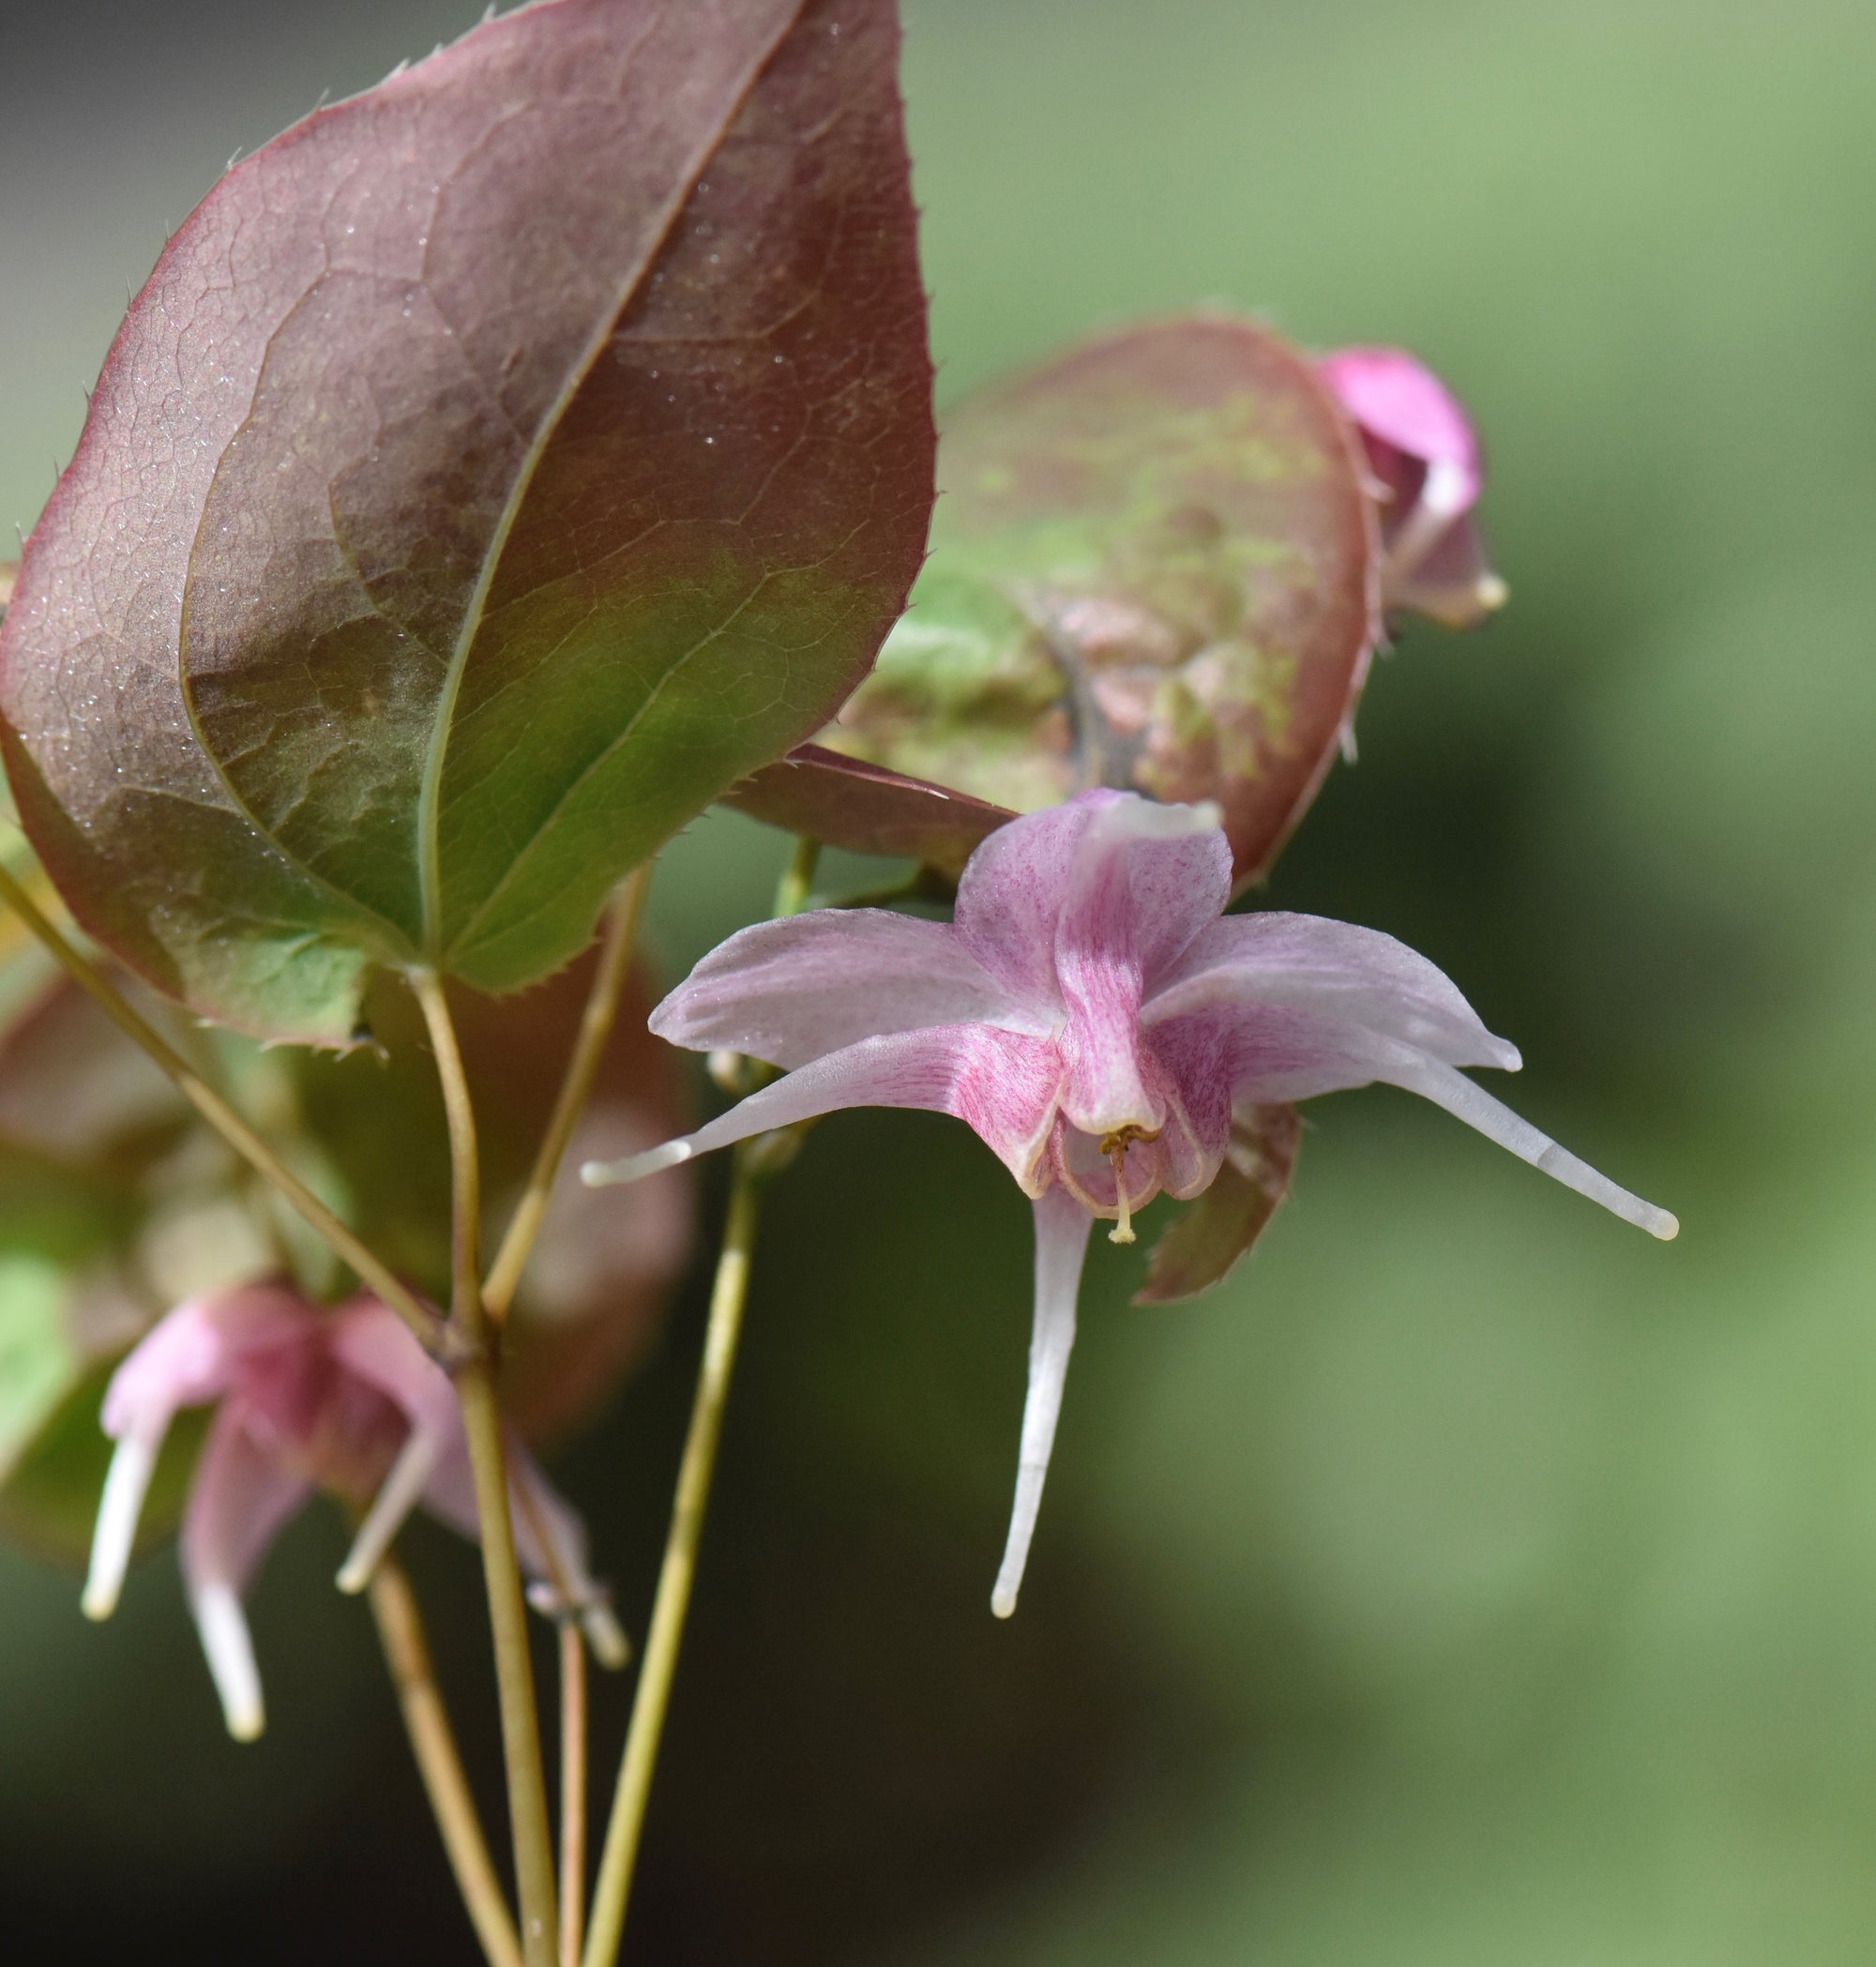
[1115,1147]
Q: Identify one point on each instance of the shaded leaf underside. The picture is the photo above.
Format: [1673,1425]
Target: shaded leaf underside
[843,802]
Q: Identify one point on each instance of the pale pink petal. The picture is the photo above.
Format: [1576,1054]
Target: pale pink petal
[1392,397]
[1000,1084]
[1497,1122]
[793,991]
[409,1481]
[1062,1227]
[188,1359]
[372,1342]
[369,1340]
[1144,881]
[240,1497]
[1335,975]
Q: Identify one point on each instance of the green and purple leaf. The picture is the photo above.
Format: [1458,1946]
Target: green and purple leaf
[495,468]
[1210,1233]
[1155,567]
[844,802]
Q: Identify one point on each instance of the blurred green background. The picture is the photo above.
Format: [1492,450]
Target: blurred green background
[1469,1579]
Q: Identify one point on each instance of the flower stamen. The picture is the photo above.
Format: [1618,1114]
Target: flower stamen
[1115,1147]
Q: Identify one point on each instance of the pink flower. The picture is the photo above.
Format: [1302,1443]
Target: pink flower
[1423,450]
[344,1401]
[1093,1017]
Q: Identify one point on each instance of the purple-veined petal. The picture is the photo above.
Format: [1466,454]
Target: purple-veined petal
[1104,873]
[792,990]
[1010,895]
[1144,882]
[240,1497]
[1000,1084]
[1333,972]
[188,1359]
[1062,1227]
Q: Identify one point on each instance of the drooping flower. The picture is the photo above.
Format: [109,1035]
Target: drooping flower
[1095,1017]
[344,1401]
[1422,448]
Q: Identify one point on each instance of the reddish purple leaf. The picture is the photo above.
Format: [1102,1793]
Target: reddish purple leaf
[843,802]
[495,468]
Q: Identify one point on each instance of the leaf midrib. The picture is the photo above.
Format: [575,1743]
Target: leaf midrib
[430,798]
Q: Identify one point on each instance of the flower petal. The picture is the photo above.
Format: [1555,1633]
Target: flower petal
[1144,881]
[998,1082]
[1452,583]
[1056,866]
[1010,894]
[794,990]
[188,1359]
[1497,1122]
[239,1499]
[1391,396]
[1336,975]
[1062,1227]
[373,1344]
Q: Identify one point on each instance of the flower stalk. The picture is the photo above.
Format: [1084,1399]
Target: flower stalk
[394,1609]
[528,1819]
[596,1027]
[573,1790]
[677,1571]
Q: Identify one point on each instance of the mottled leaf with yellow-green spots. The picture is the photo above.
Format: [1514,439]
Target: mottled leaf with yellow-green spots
[1153,566]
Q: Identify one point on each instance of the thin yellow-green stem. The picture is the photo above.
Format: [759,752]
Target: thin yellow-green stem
[488,1461]
[680,1568]
[596,1027]
[423,1322]
[427,1721]
[797,879]
[625,1827]
[573,1790]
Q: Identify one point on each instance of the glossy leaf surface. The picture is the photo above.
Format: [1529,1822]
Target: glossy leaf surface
[844,802]
[1212,1231]
[494,468]
[1155,567]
